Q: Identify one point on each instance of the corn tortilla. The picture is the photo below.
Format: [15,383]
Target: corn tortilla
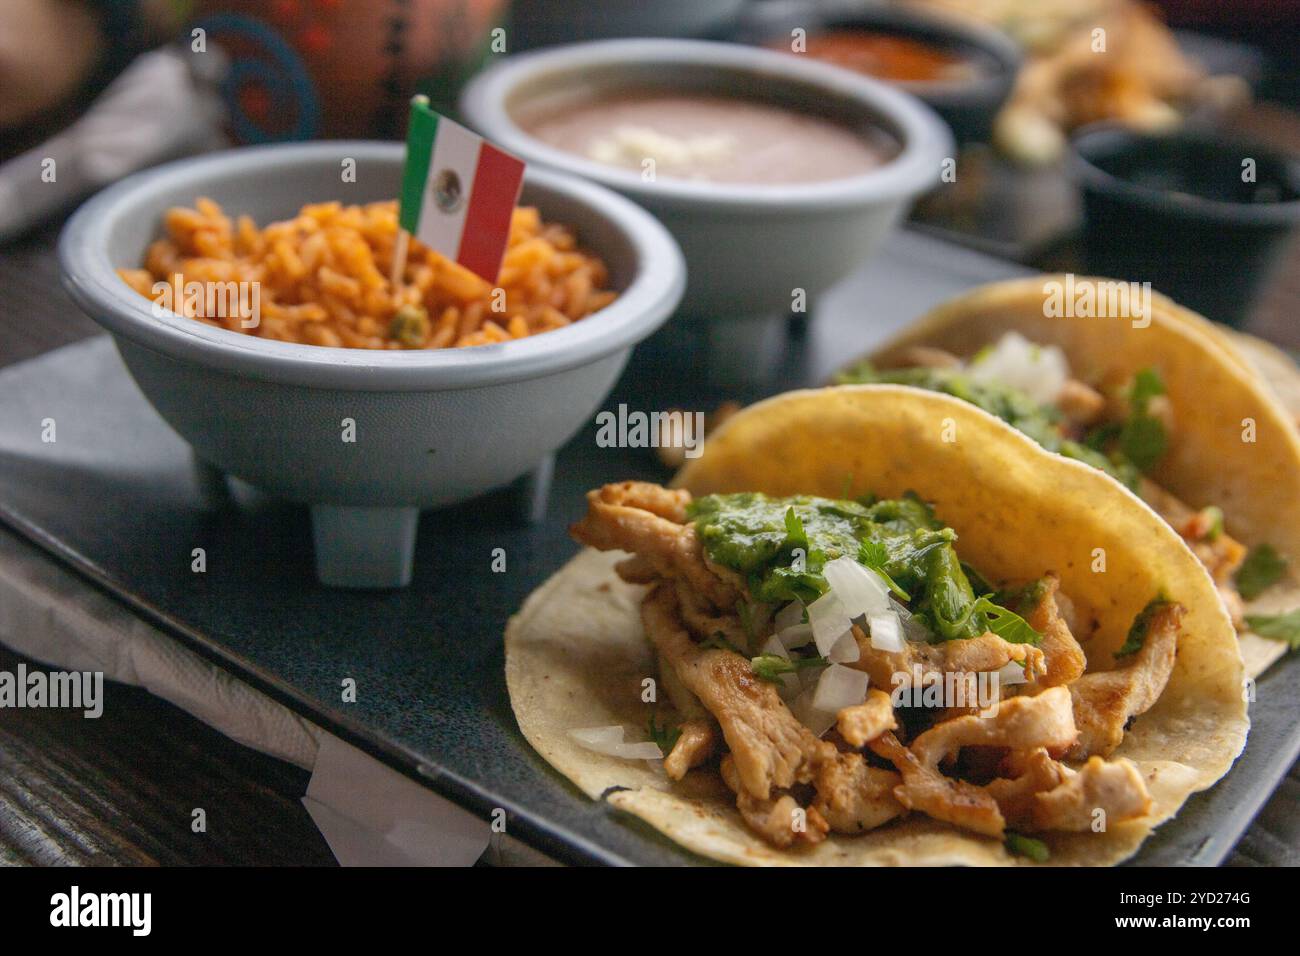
[576,654]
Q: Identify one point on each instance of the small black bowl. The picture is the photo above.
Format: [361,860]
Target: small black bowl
[968,106]
[1178,211]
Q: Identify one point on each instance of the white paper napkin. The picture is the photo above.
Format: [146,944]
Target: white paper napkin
[369,814]
[154,110]
[373,816]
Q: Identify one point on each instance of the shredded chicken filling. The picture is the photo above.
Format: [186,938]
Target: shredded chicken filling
[879,763]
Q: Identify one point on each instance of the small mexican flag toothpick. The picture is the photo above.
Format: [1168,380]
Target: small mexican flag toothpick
[458,194]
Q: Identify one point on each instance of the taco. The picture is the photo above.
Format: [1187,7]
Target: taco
[1155,396]
[1270,363]
[1274,367]
[874,625]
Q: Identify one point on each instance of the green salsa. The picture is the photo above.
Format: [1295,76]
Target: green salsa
[780,546]
[1137,633]
[1039,422]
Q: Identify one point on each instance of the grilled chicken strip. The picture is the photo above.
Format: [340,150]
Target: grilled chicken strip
[697,742]
[1030,773]
[706,623]
[1105,700]
[667,503]
[988,652]
[1021,723]
[1063,658]
[866,721]
[776,819]
[853,796]
[770,748]
[647,519]
[927,790]
[1114,787]
[1046,795]
[1081,404]
[925,356]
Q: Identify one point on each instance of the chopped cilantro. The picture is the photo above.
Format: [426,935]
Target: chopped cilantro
[1143,441]
[770,667]
[1007,624]
[1277,627]
[1147,384]
[1143,438]
[874,555]
[1137,634]
[795,536]
[1262,568]
[665,737]
[1018,844]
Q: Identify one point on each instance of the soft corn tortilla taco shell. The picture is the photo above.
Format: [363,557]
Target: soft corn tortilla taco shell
[576,653]
[1213,387]
[1273,365]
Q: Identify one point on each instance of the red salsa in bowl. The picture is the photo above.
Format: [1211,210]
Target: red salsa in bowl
[892,57]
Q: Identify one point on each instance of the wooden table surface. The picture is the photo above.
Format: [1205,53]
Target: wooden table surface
[120,789]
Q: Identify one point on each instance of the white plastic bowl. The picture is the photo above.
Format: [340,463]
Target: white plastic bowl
[432,428]
[747,247]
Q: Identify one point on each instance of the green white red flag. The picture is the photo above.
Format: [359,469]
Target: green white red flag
[458,191]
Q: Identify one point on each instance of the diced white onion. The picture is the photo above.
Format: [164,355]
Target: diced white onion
[796,636]
[773,645]
[789,616]
[817,721]
[839,687]
[845,651]
[860,590]
[1040,371]
[829,621]
[609,740]
[886,631]
[1012,672]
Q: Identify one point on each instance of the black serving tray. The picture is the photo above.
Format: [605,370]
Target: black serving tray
[116,499]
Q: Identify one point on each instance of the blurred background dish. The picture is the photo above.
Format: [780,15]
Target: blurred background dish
[300,69]
[962,69]
[754,251]
[1085,62]
[1204,217]
[1088,62]
[535,23]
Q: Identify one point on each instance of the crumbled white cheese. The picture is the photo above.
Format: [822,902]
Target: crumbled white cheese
[633,145]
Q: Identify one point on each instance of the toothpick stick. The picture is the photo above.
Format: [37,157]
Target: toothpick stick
[399,258]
